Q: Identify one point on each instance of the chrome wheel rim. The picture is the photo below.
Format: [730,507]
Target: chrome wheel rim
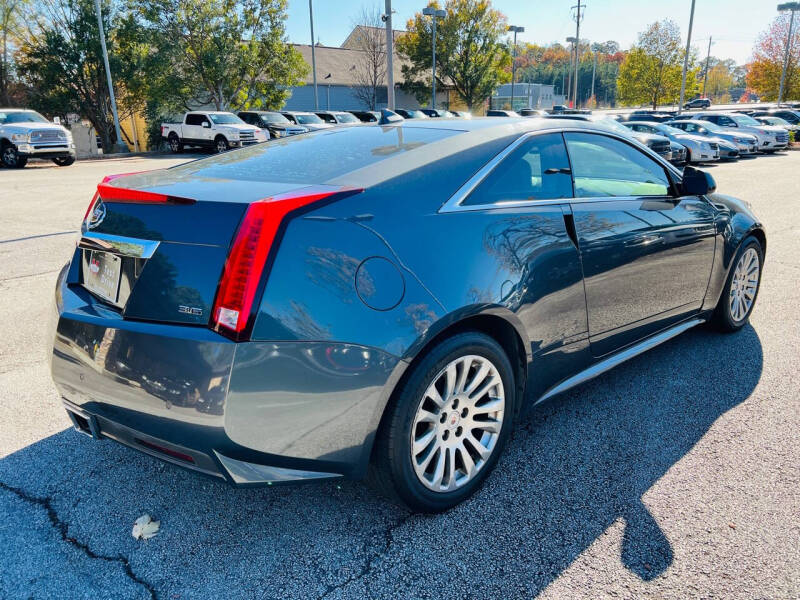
[221,146]
[457,423]
[174,144]
[744,285]
[10,156]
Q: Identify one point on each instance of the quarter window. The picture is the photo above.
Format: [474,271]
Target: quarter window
[603,166]
[537,170]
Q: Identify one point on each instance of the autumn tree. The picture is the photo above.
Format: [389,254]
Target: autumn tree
[370,67]
[764,71]
[652,70]
[471,53]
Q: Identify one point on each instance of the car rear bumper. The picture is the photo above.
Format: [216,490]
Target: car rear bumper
[249,413]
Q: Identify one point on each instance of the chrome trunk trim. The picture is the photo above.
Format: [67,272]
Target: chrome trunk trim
[117,244]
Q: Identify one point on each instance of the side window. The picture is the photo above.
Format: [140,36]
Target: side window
[726,122]
[194,119]
[603,166]
[327,118]
[537,170]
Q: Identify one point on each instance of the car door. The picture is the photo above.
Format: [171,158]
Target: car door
[646,253]
[515,226]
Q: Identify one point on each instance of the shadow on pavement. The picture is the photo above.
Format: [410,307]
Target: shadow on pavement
[574,467]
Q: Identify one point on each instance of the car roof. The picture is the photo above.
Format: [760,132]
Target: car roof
[300,112]
[7,110]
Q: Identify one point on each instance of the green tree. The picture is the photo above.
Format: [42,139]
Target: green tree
[231,54]
[61,61]
[11,27]
[651,72]
[471,53]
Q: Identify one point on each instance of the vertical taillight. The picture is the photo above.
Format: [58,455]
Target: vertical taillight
[233,312]
[258,233]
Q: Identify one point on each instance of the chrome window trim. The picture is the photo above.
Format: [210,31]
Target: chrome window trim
[117,244]
[454,203]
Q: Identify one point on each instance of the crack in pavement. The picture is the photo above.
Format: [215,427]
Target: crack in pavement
[388,534]
[62,527]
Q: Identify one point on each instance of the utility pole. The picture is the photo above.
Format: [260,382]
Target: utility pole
[578,17]
[313,54]
[387,18]
[594,70]
[516,30]
[792,6]
[686,60]
[434,13]
[708,58]
[119,145]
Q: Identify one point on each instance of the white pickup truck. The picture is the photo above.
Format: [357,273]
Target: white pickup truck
[26,134]
[211,129]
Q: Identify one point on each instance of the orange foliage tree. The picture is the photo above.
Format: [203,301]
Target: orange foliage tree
[764,71]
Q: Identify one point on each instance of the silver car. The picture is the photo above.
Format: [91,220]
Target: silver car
[699,148]
[770,138]
[744,142]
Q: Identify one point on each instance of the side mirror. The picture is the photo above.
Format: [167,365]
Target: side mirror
[57,120]
[697,183]
[206,124]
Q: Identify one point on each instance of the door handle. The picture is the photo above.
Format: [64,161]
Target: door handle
[554,171]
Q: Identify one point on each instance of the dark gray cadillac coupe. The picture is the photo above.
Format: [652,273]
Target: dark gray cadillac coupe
[385,300]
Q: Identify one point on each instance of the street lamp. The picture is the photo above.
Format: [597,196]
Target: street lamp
[791,6]
[686,60]
[429,11]
[516,30]
[574,42]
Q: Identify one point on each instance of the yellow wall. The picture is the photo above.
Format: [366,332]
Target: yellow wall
[134,128]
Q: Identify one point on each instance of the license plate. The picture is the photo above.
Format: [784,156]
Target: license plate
[101,275]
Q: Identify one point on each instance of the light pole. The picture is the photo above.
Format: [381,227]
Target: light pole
[429,11]
[578,18]
[686,60]
[119,146]
[708,59]
[791,6]
[313,55]
[516,30]
[387,18]
[574,42]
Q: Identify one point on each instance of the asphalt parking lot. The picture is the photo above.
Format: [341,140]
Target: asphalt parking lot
[677,475]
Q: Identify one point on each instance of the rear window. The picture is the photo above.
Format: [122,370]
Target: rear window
[315,158]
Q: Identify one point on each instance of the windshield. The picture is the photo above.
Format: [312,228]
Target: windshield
[276,118]
[669,129]
[24,116]
[307,118]
[346,118]
[225,119]
[613,125]
[745,120]
[712,127]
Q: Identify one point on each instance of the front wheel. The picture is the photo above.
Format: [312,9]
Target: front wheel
[447,425]
[741,288]
[64,161]
[11,157]
[221,144]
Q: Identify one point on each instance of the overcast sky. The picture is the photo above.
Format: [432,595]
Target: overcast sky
[733,24]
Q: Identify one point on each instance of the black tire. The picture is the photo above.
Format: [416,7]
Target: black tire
[723,319]
[221,144]
[391,471]
[64,161]
[175,144]
[11,158]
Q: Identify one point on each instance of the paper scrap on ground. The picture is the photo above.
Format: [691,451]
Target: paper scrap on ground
[144,527]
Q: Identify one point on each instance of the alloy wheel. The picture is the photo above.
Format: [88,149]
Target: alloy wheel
[174,144]
[744,284]
[10,156]
[222,145]
[457,423]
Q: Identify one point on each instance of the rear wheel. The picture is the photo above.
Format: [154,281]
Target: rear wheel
[175,143]
[741,288]
[11,158]
[448,424]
